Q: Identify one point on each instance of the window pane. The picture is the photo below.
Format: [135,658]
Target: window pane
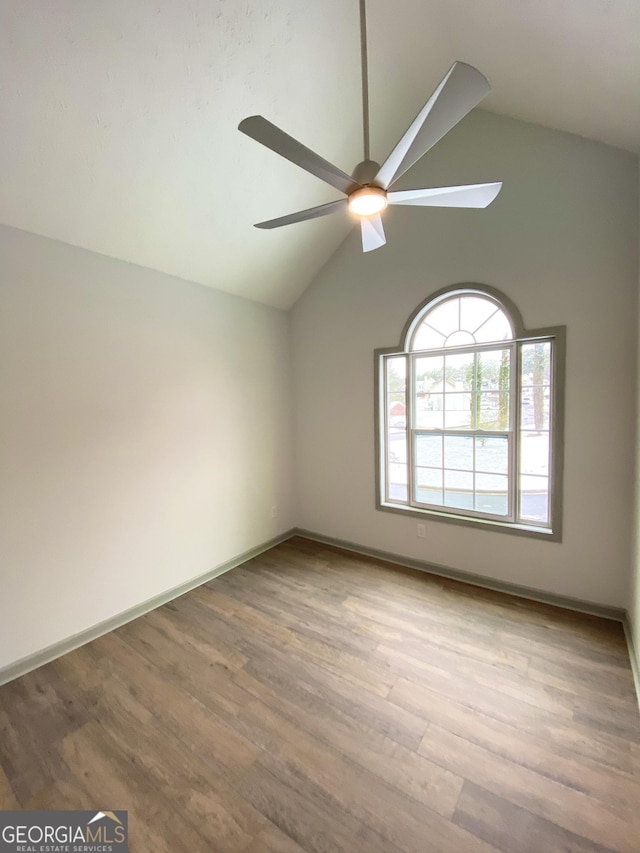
[427,338]
[536,363]
[429,411]
[534,453]
[429,450]
[534,499]
[396,412]
[496,328]
[397,468]
[534,409]
[458,452]
[429,370]
[492,494]
[474,310]
[493,410]
[493,375]
[397,482]
[458,489]
[396,409]
[396,373]
[490,363]
[428,400]
[395,397]
[459,370]
[429,485]
[397,447]
[492,454]
[535,383]
[457,411]
[461,338]
[396,387]
[445,317]
[430,477]
[459,373]
[534,434]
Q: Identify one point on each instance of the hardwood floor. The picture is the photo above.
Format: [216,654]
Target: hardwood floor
[313,700]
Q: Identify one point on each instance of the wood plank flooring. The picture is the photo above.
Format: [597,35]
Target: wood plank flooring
[314,700]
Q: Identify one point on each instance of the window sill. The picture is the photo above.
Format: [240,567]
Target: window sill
[496,526]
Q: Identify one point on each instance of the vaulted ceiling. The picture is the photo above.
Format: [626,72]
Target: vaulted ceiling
[118,119]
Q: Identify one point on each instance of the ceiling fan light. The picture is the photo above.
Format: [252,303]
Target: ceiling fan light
[367,201]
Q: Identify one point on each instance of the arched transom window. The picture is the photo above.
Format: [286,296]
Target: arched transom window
[461,320]
[468,415]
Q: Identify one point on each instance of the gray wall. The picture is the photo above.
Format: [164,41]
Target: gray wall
[145,436]
[561,242]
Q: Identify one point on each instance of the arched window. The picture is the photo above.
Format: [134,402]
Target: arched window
[469,415]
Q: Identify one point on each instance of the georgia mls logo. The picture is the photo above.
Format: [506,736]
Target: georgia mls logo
[64,832]
[111,815]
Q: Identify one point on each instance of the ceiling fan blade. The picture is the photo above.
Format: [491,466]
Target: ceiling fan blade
[372,232]
[302,215]
[462,88]
[286,146]
[473,195]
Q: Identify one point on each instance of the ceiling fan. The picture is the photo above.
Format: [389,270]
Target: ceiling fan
[366,190]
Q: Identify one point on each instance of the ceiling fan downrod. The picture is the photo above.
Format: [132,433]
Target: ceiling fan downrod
[365,78]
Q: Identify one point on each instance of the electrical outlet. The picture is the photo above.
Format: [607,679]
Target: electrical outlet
[274,511]
[421,530]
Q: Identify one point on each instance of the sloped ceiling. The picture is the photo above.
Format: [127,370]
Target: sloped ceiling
[118,119]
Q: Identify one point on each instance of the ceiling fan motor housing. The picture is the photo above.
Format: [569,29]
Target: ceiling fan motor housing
[365,172]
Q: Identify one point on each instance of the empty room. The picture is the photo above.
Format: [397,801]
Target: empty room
[319,433]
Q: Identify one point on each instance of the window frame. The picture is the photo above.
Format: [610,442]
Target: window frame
[521,336]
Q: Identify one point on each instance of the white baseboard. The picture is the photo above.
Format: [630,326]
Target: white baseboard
[56,650]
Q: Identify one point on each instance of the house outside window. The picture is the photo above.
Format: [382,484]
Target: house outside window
[470,417]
